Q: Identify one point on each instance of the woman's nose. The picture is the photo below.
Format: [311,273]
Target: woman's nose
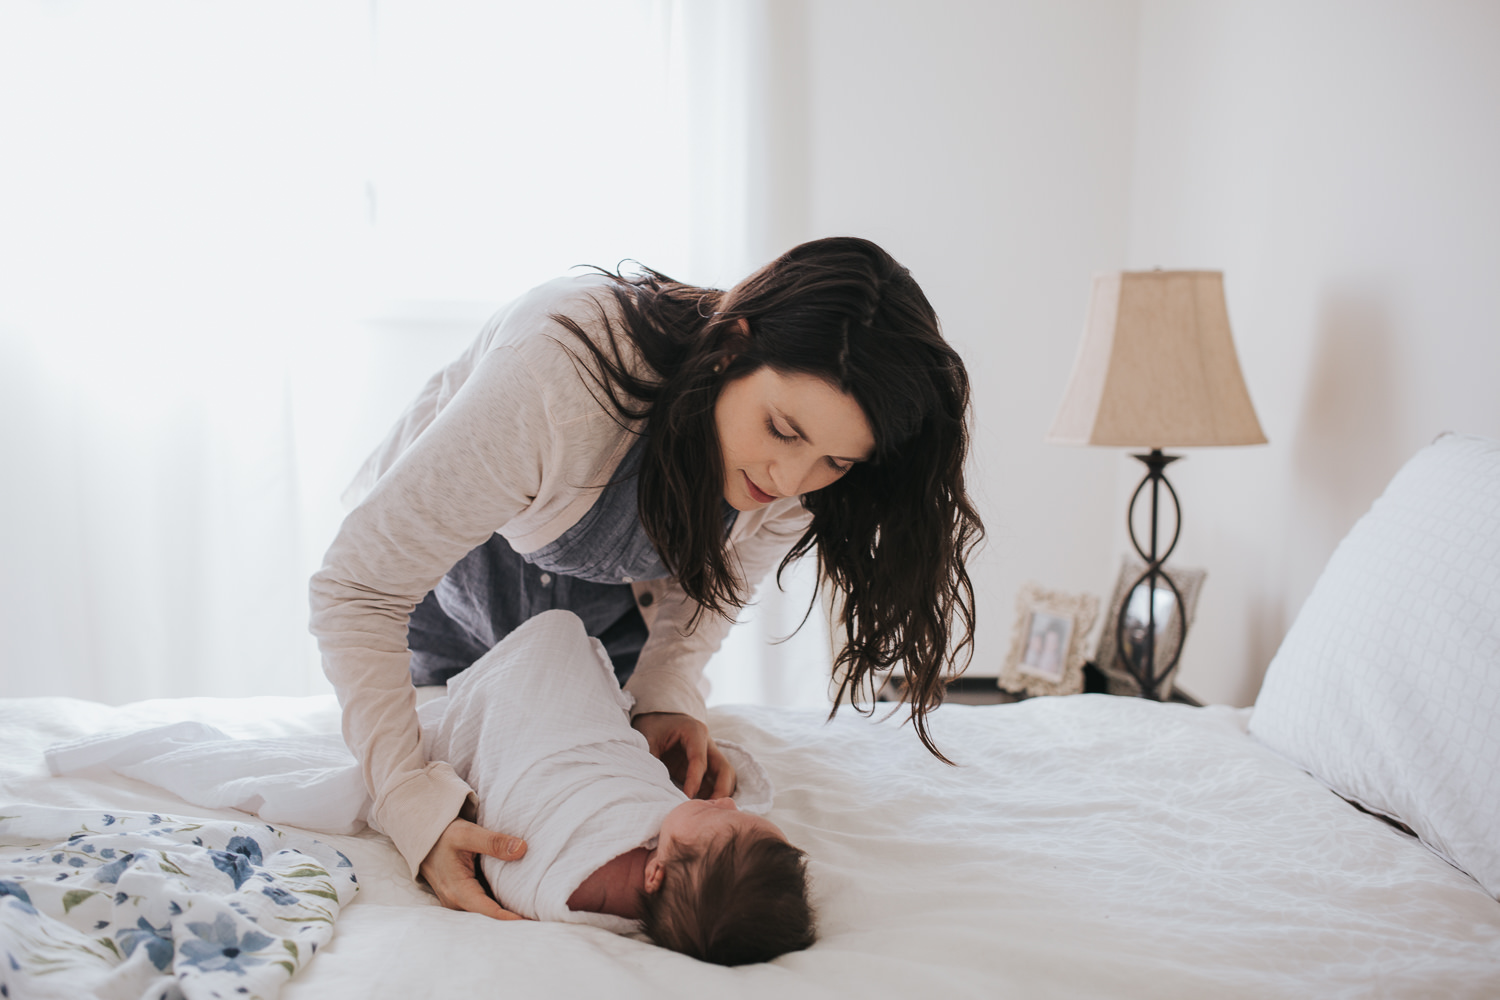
[782,478]
[795,478]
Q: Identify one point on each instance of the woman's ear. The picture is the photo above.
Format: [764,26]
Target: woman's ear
[743,326]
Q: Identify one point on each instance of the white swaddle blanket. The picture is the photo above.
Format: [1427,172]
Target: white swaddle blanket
[541,730]
[538,727]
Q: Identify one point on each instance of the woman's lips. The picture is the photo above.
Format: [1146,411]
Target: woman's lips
[756,493]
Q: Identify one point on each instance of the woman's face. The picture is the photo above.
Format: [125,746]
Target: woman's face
[786,435]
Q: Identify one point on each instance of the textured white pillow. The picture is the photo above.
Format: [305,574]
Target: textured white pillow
[1387,687]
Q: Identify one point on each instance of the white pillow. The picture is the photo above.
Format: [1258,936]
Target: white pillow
[1387,687]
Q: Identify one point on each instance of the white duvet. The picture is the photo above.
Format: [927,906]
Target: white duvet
[1087,846]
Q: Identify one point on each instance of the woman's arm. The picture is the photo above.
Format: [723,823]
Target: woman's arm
[668,682]
[506,443]
[469,473]
[669,674]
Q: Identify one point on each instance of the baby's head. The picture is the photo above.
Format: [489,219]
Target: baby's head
[725,886]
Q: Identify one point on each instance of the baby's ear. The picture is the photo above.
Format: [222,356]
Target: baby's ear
[655,872]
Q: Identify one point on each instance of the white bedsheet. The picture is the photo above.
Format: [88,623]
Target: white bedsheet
[1087,846]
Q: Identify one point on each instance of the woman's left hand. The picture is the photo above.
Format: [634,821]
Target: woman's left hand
[693,759]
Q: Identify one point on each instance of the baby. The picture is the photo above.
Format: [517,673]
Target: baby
[721,885]
[540,729]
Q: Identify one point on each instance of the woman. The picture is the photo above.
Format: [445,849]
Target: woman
[641,452]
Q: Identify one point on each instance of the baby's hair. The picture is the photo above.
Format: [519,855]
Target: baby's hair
[742,901]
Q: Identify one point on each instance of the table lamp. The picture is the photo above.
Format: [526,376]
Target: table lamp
[1156,369]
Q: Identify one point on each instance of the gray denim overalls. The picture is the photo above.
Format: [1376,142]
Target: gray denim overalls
[587,570]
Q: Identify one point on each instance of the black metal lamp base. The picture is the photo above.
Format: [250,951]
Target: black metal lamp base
[1139,658]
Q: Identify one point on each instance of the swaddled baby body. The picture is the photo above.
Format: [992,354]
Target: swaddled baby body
[541,730]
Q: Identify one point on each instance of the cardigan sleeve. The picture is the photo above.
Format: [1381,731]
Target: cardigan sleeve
[482,461]
[669,674]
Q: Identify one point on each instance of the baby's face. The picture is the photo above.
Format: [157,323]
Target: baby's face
[697,823]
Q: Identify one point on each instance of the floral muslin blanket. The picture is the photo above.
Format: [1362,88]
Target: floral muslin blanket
[141,905]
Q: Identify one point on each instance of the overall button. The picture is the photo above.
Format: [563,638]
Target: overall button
[546,579]
[646,599]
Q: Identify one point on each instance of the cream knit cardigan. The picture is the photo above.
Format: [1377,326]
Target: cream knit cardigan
[509,438]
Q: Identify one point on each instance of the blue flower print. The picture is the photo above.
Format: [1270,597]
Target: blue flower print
[158,942]
[233,865]
[110,873]
[238,859]
[245,846]
[219,949]
[107,853]
[22,897]
[279,895]
[109,820]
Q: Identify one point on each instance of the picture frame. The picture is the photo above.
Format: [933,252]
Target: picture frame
[1172,623]
[1049,643]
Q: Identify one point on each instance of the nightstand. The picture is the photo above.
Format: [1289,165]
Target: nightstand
[984,690]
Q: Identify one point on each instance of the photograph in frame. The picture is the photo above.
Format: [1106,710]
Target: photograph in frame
[1048,644]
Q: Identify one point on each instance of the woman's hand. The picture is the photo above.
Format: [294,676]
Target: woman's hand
[693,759]
[449,867]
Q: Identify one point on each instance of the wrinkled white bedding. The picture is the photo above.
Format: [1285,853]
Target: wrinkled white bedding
[1087,846]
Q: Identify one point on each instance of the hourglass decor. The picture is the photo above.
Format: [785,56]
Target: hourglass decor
[1156,369]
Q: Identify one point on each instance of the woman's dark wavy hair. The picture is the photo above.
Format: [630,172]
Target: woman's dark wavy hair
[744,901]
[892,535]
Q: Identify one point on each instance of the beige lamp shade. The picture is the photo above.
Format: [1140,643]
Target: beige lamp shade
[1157,367]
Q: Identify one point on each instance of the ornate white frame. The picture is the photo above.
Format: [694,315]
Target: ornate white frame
[1081,609]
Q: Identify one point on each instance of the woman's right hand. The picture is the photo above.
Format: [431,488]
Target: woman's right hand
[449,867]
[693,759]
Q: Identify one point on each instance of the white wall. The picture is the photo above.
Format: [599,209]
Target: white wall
[987,146]
[1338,160]
[1341,163]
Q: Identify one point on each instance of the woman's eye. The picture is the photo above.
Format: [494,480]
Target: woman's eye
[776,433]
[771,426]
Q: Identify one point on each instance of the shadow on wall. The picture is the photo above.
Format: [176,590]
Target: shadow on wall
[1269,620]
[1348,442]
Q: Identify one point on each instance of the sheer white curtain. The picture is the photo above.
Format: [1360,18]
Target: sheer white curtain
[175,215]
[234,239]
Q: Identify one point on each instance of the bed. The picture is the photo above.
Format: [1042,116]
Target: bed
[1084,846]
